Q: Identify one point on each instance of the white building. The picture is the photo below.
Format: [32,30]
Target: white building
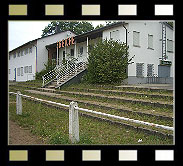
[152,43]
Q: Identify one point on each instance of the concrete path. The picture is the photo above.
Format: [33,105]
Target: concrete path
[151,86]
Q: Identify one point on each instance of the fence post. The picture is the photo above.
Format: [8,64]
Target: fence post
[73,123]
[19,103]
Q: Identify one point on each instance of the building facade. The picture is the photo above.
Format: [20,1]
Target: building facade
[150,42]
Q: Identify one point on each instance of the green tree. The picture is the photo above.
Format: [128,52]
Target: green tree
[108,61]
[78,27]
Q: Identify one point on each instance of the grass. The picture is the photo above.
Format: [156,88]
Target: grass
[51,125]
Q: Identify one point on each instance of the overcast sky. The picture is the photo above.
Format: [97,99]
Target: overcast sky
[21,32]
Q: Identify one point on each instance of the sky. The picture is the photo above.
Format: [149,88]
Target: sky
[20,32]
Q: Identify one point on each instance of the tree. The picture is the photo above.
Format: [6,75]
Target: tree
[99,26]
[78,27]
[108,61]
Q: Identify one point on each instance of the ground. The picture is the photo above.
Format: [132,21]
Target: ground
[21,136]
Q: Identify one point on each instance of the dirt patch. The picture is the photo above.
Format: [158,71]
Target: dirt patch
[21,136]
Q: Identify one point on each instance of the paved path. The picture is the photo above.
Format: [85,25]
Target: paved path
[151,86]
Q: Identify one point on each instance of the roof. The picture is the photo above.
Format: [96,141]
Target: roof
[93,33]
[29,42]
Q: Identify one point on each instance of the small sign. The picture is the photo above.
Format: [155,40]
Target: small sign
[65,42]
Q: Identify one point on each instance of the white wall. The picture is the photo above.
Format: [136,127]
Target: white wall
[42,56]
[143,54]
[22,61]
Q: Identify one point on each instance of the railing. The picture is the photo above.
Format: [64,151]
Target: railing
[70,69]
[153,79]
[73,115]
[63,72]
[51,75]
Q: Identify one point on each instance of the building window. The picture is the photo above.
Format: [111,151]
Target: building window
[9,71]
[22,53]
[114,35]
[26,69]
[150,70]
[139,69]
[26,51]
[9,57]
[80,51]
[18,53]
[136,39]
[30,69]
[150,41]
[22,71]
[169,45]
[72,52]
[18,71]
[30,50]
[14,55]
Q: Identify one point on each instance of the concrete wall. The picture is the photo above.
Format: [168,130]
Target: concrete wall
[22,61]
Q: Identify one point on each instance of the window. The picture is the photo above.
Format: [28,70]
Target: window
[150,41]
[114,35]
[30,69]
[18,54]
[18,71]
[80,51]
[22,71]
[72,52]
[14,55]
[9,71]
[150,69]
[26,69]
[169,45]
[26,51]
[22,53]
[9,57]
[139,69]
[136,39]
[30,50]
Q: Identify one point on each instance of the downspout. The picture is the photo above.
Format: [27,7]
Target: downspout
[126,34]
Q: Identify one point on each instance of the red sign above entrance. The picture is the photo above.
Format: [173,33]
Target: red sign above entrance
[65,42]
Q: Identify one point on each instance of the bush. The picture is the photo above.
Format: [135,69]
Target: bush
[108,61]
[50,65]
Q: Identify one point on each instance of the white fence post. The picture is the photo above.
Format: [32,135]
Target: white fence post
[73,123]
[19,103]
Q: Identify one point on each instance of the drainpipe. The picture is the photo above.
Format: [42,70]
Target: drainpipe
[126,34]
[36,56]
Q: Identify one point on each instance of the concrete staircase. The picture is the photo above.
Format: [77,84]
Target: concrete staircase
[63,74]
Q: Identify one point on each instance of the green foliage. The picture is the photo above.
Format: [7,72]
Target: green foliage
[108,61]
[50,65]
[78,27]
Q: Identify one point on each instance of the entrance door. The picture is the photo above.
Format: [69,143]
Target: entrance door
[15,74]
[163,71]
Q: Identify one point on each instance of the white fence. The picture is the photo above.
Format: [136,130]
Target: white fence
[74,119]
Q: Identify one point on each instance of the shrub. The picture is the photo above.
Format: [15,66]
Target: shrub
[50,65]
[108,61]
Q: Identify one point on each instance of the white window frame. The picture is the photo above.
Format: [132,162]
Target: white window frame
[150,43]
[14,55]
[136,44]
[114,35]
[169,49]
[30,50]
[18,71]
[22,71]
[142,70]
[152,72]
[30,69]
